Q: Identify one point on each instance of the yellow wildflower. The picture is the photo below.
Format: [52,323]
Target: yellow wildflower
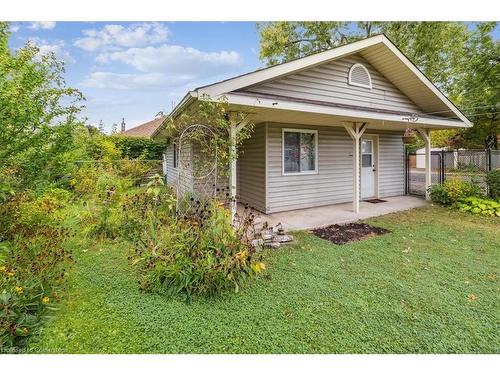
[3,269]
[10,274]
[241,254]
[258,267]
[45,299]
[18,289]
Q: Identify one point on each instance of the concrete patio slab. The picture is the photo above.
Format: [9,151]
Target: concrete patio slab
[316,217]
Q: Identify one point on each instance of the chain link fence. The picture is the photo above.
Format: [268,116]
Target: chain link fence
[467,165]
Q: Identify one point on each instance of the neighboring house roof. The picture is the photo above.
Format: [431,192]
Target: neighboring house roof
[378,50]
[145,130]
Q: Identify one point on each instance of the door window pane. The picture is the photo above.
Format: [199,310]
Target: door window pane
[366,160]
[366,147]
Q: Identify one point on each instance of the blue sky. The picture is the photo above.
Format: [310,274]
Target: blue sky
[136,69]
[133,69]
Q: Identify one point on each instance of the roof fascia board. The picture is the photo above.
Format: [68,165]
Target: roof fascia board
[237,99]
[426,81]
[188,99]
[286,68]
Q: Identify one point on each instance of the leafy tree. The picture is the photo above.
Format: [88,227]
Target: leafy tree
[37,112]
[461,60]
[435,47]
[478,90]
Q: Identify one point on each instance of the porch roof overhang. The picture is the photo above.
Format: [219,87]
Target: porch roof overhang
[289,110]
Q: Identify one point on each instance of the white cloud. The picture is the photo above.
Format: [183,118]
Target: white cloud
[58,47]
[175,60]
[118,36]
[14,27]
[44,25]
[125,81]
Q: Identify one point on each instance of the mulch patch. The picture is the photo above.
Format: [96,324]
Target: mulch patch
[341,234]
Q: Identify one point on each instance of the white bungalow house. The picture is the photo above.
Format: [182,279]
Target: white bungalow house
[329,126]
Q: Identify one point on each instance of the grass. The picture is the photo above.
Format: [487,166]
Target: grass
[430,286]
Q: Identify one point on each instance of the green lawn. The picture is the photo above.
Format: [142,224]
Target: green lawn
[429,286]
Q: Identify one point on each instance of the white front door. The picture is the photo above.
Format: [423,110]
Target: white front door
[367,168]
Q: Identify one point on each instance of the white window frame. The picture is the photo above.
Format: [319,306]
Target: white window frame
[308,131]
[350,82]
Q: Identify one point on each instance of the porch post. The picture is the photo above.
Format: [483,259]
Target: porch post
[234,128]
[232,172]
[426,137]
[355,130]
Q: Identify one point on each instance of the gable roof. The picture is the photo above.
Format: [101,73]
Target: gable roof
[379,51]
[146,130]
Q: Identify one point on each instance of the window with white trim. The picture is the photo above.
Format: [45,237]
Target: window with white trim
[359,76]
[300,151]
[176,155]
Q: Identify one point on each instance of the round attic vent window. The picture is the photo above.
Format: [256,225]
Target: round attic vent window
[359,76]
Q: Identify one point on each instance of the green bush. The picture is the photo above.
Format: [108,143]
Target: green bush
[145,208]
[481,206]
[202,256]
[493,181]
[451,191]
[25,215]
[32,273]
[139,148]
[439,195]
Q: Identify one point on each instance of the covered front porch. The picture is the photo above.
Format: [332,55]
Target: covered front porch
[309,218]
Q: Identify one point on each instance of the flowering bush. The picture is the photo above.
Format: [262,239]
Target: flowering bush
[32,261]
[451,191]
[198,255]
[32,271]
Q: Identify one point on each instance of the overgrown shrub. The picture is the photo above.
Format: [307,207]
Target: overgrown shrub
[451,191]
[32,262]
[196,256]
[135,170]
[139,148]
[32,271]
[147,208]
[25,214]
[481,206]
[493,181]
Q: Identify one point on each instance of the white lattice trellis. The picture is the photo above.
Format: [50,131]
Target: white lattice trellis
[197,168]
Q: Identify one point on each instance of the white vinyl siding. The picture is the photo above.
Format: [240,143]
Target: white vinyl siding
[334,181]
[251,170]
[329,82]
[392,165]
[172,173]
